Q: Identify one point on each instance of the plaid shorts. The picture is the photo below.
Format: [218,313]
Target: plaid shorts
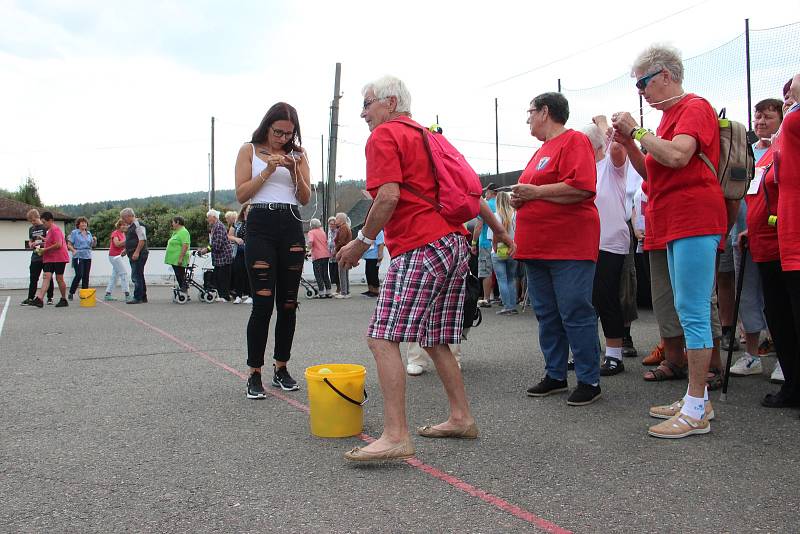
[422,298]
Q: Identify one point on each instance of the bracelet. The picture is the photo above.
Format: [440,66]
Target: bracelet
[633,131]
[641,132]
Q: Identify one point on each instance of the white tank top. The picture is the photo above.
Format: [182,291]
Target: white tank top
[278,187]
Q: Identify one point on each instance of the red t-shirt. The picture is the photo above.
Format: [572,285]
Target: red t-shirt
[787,174]
[762,237]
[58,255]
[686,202]
[549,231]
[396,154]
[114,250]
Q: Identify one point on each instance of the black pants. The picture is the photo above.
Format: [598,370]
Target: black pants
[36,271]
[274,254]
[333,270]
[240,284]
[782,310]
[180,277]
[321,274]
[605,293]
[82,268]
[222,278]
[371,272]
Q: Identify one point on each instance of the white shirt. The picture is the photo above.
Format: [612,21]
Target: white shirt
[634,184]
[610,201]
[638,223]
[278,187]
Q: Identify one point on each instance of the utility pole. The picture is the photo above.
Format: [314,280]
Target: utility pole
[332,141]
[559,85]
[322,181]
[211,193]
[496,140]
[209,180]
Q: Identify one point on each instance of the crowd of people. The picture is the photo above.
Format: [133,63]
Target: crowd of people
[564,240]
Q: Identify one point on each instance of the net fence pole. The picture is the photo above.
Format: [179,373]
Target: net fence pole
[747,68]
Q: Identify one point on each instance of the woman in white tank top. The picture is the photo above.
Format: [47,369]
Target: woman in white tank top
[272,173]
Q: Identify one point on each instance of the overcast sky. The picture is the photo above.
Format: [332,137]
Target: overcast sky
[106,100]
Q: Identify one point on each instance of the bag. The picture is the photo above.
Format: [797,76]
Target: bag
[737,164]
[458,188]
[473,292]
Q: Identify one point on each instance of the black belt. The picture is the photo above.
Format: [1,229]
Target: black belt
[273,206]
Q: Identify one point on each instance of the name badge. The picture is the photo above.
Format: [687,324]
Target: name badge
[755,183]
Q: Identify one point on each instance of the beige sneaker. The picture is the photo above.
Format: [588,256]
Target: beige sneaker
[671,410]
[680,426]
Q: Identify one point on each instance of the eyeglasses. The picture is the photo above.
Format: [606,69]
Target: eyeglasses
[642,82]
[368,103]
[281,134]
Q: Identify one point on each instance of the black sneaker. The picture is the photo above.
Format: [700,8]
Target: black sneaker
[254,388]
[62,303]
[27,302]
[584,394]
[628,350]
[37,302]
[547,386]
[611,367]
[50,301]
[282,379]
[71,295]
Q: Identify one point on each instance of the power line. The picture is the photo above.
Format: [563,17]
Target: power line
[110,147]
[569,56]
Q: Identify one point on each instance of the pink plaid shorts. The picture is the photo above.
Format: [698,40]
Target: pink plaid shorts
[422,298]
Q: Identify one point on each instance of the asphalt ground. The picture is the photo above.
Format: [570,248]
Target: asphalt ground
[134,418]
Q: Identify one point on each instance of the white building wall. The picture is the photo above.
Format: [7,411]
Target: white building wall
[14,234]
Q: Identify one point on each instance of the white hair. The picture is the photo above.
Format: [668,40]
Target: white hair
[314,223]
[390,86]
[127,212]
[595,135]
[212,213]
[658,57]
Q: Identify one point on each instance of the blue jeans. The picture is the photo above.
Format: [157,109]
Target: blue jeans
[137,276]
[506,272]
[561,295]
[692,262]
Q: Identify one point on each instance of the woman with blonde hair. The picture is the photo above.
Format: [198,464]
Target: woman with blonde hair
[505,267]
[116,246]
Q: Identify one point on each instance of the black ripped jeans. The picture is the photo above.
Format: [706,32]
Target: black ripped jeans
[274,254]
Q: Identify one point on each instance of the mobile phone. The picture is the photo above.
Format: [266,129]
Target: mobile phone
[296,155]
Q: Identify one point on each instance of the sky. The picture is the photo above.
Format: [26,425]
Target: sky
[107,100]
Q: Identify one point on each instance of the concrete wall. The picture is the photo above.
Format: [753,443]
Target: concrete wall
[14,234]
[14,269]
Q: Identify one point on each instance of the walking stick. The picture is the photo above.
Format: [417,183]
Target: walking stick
[724,395]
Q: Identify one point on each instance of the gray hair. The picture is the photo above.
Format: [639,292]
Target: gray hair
[659,57]
[314,223]
[212,213]
[127,212]
[331,219]
[390,86]
[595,135]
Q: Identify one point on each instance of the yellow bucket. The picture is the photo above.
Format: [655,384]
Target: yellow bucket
[87,298]
[336,399]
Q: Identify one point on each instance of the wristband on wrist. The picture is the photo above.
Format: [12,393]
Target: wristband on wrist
[640,132]
[633,132]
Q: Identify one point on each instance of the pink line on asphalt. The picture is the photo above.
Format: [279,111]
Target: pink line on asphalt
[456,482]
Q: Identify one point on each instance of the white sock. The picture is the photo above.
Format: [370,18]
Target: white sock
[705,394]
[614,352]
[694,407]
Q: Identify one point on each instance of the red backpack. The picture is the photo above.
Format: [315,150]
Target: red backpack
[458,188]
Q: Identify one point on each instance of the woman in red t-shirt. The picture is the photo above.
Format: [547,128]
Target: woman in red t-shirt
[558,238]
[687,214]
[116,247]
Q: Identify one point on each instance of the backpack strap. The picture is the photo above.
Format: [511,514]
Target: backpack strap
[424,131]
[700,153]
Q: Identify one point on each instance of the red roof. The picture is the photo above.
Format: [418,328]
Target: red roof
[14,210]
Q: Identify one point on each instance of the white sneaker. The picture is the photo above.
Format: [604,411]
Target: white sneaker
[341,296]
[248,300]
[237,300]
[777,375]
[747,365]
[414,370]
[220,299]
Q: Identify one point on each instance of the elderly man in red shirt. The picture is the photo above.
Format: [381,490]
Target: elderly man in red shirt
[422,298]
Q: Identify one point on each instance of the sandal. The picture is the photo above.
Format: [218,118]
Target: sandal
[665,371]
[714,380]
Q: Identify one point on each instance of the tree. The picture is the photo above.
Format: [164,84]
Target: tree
[29,193]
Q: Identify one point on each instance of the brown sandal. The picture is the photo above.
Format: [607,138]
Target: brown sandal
[714,381]
[665,371]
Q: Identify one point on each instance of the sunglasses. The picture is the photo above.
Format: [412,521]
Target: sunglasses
[281,134]
[642,82]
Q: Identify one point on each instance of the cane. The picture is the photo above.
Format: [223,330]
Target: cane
[743,245]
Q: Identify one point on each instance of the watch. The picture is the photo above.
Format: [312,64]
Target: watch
[364,239]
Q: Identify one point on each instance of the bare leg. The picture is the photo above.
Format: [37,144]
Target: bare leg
[752,342]
[487,287]
[727,295]
[614,343]
[673,351]
[45,284]
[392,378]
[62,285]
[450,375]
[698,371]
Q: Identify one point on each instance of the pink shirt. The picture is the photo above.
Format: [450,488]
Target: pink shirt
[319,244]
[112,249]
[59,255]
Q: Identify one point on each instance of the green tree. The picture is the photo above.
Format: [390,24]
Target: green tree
[102,224]
[29,193]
